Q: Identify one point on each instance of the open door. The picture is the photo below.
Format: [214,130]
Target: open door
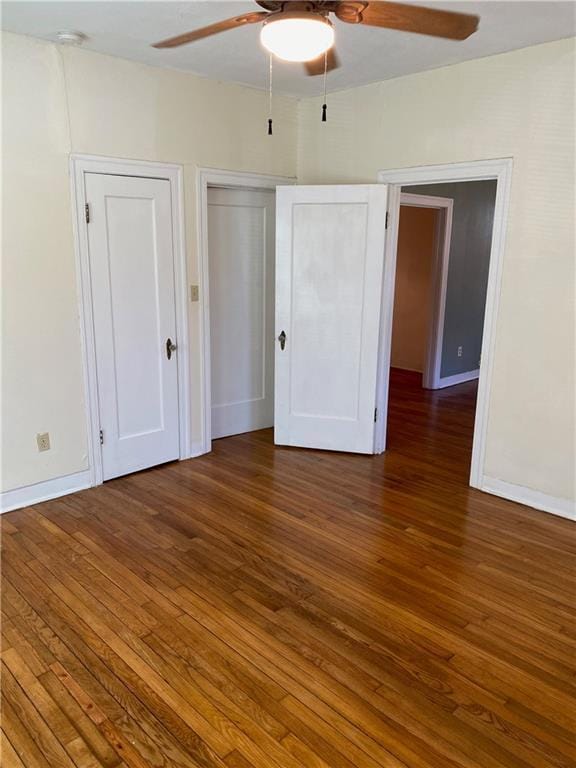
[329,265]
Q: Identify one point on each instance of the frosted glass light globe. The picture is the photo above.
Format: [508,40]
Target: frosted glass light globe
[297,38]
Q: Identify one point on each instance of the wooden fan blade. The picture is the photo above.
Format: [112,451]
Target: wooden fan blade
[212,29]
[409,18]
[316,66]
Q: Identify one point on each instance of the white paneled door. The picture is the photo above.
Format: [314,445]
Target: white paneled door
[241,277]
[329,266]
[132,272]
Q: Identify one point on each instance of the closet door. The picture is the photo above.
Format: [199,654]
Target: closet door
[132,271]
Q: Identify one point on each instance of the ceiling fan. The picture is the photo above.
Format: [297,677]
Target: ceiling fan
[302,31]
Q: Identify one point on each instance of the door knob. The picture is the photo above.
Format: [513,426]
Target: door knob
[170,347]
[282,340]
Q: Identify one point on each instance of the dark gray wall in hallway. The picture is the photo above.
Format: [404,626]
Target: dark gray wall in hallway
[467,271]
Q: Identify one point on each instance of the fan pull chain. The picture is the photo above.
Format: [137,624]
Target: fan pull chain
[270,97]
[324,106]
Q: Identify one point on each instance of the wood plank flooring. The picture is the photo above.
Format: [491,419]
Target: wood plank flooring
[281,607]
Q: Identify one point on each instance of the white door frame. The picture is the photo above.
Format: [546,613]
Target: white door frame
[214,177]
[79,166]
[439,282]
[499,170]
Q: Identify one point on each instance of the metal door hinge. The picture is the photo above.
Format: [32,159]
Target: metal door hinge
[101,437]
[387,217]
[375,414]
[87,213]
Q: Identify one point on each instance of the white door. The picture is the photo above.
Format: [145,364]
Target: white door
[241,277]
[132,271]
[329,265]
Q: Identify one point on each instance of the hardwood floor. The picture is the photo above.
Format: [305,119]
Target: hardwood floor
[281,607]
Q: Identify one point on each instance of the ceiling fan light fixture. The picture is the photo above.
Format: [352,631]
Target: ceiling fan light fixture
[297,36]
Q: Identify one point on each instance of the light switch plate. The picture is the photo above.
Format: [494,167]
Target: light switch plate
[194,293]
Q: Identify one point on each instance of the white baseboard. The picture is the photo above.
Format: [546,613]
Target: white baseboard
[542,501]
[457,378]
[60,486]
[49,489]
[196,449]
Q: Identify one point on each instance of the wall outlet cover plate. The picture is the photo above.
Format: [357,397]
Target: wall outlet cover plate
[43,441]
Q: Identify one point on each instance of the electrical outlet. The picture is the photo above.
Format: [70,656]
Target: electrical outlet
[43,440]
[194,293]
[459,351]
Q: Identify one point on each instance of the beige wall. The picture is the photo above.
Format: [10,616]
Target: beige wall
[519,105]
[412,291]
[60,100]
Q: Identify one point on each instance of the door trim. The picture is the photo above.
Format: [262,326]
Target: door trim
[500,170]
[79,166]
[214,177]
[443,235]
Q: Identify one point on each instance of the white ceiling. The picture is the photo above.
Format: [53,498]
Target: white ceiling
[127,29]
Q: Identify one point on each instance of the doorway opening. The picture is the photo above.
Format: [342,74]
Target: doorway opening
[444,308]
[422,264]
[241,232]
[236,230]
